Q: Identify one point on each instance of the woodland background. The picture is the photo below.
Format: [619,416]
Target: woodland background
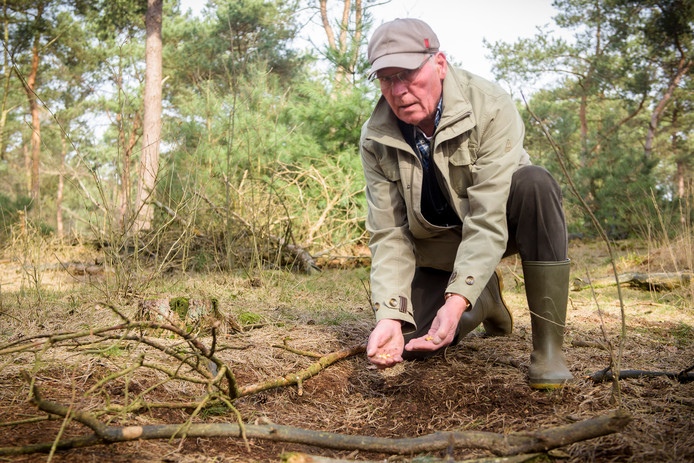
[256,144]
[163,175]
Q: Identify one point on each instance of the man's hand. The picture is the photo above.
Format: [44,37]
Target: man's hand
[385,344]
[443,327]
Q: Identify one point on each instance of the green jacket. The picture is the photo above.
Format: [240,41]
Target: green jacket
[477,147]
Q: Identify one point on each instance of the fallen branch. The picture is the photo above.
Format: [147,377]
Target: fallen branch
[74,268]
[606,375]
[293,350]
[499,444]
[647,281]
[295,457]
[300,376]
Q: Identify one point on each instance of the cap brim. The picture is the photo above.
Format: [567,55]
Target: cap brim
[396,60]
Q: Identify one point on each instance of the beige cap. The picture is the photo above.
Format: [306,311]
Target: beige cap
[401,43]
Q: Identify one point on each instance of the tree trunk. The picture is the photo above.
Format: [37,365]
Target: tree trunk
[30,89]
[27,163]
[128,147]
[149,163]
[59,193]
[357,32]
[340,45]
[6,85]
[674,143]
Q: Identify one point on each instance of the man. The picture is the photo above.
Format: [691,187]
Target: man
[450,191]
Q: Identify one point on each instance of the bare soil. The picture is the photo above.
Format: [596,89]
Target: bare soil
[480,384]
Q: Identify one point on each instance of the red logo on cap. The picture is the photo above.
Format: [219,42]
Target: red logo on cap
[426,43]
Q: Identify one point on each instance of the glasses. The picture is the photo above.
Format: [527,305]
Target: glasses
[406,76]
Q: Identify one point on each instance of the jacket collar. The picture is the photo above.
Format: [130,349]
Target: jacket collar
[456,107]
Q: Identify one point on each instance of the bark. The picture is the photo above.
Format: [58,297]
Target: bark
[305,458]
[27,163]
[326,24]
[61,186]
[582,116]
[606,375]
[357,32]
[30,89]
[6,86]
[128,148]
[340,43]
[345,23]
[149,162]
[679,160]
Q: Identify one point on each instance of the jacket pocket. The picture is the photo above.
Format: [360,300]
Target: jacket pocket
[459,174]
[391,169]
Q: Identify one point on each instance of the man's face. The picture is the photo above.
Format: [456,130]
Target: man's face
[414,97]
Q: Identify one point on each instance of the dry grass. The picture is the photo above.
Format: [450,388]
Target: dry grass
[478,385]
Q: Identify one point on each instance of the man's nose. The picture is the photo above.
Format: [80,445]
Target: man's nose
[399,87]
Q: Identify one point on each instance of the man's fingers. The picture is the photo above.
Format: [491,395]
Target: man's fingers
[376,343]
[440,335]
[422,343]
[383,361]
[385,345]
[446,330]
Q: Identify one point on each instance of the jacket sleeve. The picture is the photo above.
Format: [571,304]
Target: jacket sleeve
[392,249]
[500,132]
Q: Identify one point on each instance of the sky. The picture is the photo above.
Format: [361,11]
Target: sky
[461,25]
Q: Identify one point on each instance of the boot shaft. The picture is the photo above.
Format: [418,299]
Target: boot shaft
[547,291]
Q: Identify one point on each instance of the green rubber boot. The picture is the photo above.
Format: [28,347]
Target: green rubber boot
[547,290]
[490,310]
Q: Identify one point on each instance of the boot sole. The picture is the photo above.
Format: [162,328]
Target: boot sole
[547,386]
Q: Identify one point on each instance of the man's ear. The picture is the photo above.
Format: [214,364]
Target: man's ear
[441,64]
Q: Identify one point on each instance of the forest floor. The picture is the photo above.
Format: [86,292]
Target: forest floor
[478,385]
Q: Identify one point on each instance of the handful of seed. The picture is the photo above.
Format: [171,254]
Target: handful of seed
[428,338]
[384,356]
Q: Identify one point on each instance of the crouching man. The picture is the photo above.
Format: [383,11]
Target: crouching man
[450,191]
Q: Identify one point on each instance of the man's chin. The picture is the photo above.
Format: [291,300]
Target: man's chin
[409,117]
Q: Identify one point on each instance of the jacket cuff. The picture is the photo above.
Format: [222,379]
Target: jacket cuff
[395,308]
[468,286]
